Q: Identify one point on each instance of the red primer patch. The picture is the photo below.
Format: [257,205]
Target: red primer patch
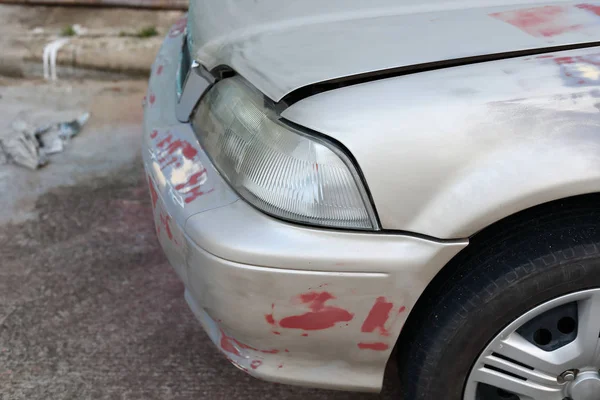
[545,56]
[166,223]
[320,317]
[152,99]
[227,344]
[378,316]
[153,193]
[166,141]
[401,310]
[276,333]
[255,364]
[280,366]
[167,162]
[154,134]
[159,70]
[304,334]
[564,60]
[544,21]
[195,193]
[186,148]
[379,346]
[589,7]
[270,319]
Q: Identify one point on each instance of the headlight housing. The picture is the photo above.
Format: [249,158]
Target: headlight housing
[275,167]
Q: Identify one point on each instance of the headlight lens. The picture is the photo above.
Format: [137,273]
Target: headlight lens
[278,169]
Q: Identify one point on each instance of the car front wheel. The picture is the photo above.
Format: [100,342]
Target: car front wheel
[515,317]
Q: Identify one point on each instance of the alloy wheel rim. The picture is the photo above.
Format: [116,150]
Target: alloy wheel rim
[542,355]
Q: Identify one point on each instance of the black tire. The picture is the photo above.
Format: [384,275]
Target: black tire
[505,271]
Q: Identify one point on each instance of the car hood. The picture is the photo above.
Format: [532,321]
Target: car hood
[280,46]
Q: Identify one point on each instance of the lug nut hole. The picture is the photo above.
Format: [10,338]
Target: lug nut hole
[566,325]
[542,337]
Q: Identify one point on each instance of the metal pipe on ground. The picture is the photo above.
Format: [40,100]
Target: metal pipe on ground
[156,4]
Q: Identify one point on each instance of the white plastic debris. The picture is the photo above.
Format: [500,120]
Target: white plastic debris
[54,146]
[67,130]
[23,149]
[30,147]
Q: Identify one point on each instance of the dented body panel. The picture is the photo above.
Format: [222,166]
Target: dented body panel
[287,303]
[463,147]
[281,46]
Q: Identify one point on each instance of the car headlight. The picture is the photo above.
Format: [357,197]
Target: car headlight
[276,167]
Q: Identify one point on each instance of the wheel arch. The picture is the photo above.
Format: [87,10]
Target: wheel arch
[491,235]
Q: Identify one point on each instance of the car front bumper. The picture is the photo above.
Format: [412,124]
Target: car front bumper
[283,302]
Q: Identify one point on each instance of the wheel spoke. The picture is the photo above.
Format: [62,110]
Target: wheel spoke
[523,388]
[516,348]
[521,366]
[494,361]
[588,330]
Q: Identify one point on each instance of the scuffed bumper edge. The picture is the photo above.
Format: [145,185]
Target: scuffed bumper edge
[305,306]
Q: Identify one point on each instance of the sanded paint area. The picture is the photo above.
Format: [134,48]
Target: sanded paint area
[89,307]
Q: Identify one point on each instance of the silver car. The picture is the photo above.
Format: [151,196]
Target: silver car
[335,179]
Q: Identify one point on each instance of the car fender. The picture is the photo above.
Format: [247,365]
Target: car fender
[448,152]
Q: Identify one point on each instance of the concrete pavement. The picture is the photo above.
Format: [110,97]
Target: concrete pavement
[89,308]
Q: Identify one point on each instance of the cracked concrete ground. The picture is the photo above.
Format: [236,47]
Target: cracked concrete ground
[89,308]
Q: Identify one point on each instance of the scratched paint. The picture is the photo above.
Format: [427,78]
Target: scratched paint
[320,316]
[186,173]
[378,317]
[193,180]
[153,193]
[255,364]
[233,346]
[379,346]
[579,70]
[246,347]
[178,28]
[546,21]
